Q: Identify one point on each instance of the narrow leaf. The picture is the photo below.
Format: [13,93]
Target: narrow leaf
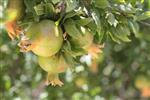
[144,16]
[71,29]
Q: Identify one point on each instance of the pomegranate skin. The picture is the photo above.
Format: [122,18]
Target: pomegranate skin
[43,38]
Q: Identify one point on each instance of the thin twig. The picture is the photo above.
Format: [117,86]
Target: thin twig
[147,24]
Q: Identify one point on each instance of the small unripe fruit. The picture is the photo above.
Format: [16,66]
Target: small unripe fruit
[44,41]
[84,40]
[53,65]
[14,10]
[142,82]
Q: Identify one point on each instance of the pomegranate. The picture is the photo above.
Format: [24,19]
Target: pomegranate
[86,42]
[142,82]
[53,65]
[43,39]
[14,12]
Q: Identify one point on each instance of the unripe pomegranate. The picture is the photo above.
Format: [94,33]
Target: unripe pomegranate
[43,39]
[14,12]
[142,82]
[53,65]
[86,42]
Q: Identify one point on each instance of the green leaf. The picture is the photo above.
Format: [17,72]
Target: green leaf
[83,22]
[29,5]
[78,52]
[30,10]
[135,1]
[96,18]
[123,38]
[148,4]
[97,27]
[127,8]
[144,16]
[111,19]
[122,32]
[49,8]
[93,27]
[134,27]
[119,1]
[71,29]
[42,8]
[69,15]
[69,59]
[100,38]
[39,9]
[101,3]
[115,39]
[73,49]
[71,5]
[56,1]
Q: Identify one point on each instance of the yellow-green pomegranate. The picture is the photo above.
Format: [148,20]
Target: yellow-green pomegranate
[53,65]
[14,12]
[44,41]
[142,82]
[84,40]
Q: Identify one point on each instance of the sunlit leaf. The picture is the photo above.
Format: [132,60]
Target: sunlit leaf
[71,28]
[101,3]
[144,16]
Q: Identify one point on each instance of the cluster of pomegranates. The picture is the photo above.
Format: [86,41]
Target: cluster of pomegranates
[45,39]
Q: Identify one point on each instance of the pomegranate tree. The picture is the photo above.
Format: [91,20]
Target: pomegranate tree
[59,32]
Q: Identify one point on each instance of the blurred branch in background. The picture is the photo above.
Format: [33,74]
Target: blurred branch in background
[38,90]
